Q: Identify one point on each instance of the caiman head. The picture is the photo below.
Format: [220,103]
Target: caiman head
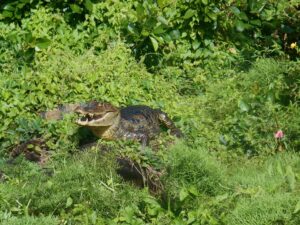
[95,114]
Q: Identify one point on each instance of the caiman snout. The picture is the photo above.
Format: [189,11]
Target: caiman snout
[96,114]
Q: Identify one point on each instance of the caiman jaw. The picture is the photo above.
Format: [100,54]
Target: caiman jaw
[98,120]
[96,114]
[88,118]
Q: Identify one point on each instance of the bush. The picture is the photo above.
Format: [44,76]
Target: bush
[251,107]
[155,29]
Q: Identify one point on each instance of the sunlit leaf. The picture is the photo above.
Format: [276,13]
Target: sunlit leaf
[42,43]
[9,7]
[240,26]
[183,194]
[88,5]
[162,20]
[132,29]
[159,30]
[140,10]
[297,207]
[244,107]
[193,190]
[162,3]
[205,2]
[76,8]
[69,202]
[196,44]
[6,14]
[290,177]
[189,13]
[154,43]
[256,22]
[235,10]
[175,34]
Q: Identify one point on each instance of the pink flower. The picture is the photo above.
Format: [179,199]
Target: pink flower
[279,134]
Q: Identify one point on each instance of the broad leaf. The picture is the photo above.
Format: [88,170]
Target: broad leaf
[189,13]
[75,8]
[88,5]
[154,43]
[244,107]
[42,43]
[240,26]
[183,194]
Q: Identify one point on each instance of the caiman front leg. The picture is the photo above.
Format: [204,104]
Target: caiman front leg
[141,137]
[168,123]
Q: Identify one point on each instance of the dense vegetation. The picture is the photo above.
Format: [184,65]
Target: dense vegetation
[227,72]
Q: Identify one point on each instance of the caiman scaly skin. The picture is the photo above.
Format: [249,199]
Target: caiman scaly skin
[108,122]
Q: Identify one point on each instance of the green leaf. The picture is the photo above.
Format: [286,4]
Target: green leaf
[9,7]
[183,194]
[290,177]
[297,207]
[191,217]
[189,13]
[240,26]
[162,3]
[152,211]
[279,168]
[6,14]
[221,198]
[94,217]
[175,34]
[243,16]
[132,29]
[75,8]
[162,20]
[244,107]
[193,190]
[88,5]
[29,54]
[256,6]
[42,42]
[145,33]
[140,11]
[256,22]
[21,5]
[69,202]
[205,2]
[167,38]
[235,10]
[159,30]
[195,44]
[15,209]
[154,43]
[211,16]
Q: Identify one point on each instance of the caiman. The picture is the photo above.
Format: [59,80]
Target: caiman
[108,122]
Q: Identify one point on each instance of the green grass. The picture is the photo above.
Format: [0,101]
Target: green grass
[29,220]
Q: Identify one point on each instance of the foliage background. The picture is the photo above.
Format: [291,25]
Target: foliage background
[227,72]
